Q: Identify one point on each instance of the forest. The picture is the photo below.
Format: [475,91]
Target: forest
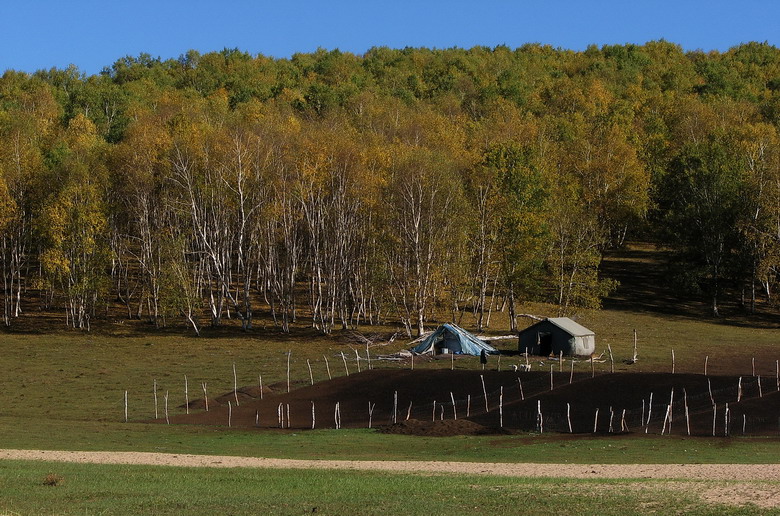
[396,186]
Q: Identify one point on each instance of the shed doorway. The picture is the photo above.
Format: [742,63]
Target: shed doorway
[545,344]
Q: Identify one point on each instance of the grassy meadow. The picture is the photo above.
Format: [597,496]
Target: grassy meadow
[65,390]
[56,488]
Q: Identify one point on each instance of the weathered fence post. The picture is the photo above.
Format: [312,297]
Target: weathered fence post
[186,395]
[551,377]
[327,366]
[289,354]
[454,410]
[500,408]
[345,363]
[484,392]
[235,384]
[205,395]
[571,375]
[155,399]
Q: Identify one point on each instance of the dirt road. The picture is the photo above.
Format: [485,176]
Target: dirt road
[733,472]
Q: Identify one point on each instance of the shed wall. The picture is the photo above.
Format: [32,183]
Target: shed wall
[560,340]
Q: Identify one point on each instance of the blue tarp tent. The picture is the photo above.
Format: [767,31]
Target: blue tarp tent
[455,340]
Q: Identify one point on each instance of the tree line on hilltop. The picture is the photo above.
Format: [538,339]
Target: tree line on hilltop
[390,186]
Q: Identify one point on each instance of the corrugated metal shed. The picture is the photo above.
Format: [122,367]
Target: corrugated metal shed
[555,335]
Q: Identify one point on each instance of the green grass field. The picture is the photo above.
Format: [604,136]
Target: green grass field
[110,489]
[64,390]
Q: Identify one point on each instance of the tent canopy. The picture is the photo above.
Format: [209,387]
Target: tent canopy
[455,339]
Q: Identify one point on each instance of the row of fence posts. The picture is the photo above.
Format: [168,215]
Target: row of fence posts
[666,427]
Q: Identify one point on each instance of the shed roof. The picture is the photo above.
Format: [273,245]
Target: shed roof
[569,326]
[572,328]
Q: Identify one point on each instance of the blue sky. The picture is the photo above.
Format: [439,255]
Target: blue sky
[93,34]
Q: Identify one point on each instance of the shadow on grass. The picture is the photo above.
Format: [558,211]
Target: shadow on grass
[647,285]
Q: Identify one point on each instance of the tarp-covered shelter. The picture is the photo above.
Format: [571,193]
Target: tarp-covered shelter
[556,334]
[449,338]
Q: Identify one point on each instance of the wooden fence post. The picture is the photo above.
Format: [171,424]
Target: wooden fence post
[539,417]
[500,408]
[205,395]
[235,384]
[714,415]
[484,392]
[289,354]
[739,390]
[155,399]
[551,377]
[520,386]
[649,413]
[186,395]
[454,410]
[345,363]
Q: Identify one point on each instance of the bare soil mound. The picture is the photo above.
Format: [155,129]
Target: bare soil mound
[421,403]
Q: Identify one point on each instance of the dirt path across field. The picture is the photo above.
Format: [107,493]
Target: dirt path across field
[733,472]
